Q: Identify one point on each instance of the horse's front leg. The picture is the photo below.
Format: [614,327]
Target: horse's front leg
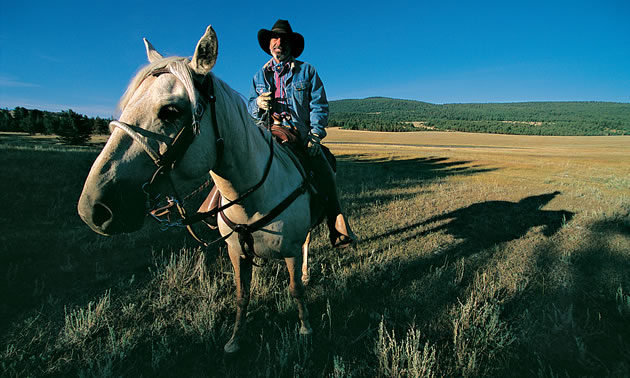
[306,277]
[242,279]
[294,265]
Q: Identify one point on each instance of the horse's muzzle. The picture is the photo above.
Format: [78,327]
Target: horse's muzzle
[106,220]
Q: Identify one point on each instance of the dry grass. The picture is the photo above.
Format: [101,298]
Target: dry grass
[480,255]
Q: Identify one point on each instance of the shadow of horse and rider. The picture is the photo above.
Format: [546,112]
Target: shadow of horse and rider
[475,228]
[484,224]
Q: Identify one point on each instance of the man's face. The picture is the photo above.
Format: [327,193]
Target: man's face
[280,48]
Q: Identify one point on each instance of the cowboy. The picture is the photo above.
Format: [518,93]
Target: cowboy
[293,95]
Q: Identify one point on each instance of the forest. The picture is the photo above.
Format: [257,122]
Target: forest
[524,118]
[70,126]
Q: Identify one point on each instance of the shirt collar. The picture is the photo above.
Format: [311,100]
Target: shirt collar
[269,66]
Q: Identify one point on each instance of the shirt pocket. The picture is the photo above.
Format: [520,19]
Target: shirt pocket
[301,91]
[301,85]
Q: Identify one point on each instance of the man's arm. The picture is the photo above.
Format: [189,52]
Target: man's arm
[252,106]
[318,107]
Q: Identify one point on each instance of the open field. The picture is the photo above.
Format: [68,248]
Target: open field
[480,255]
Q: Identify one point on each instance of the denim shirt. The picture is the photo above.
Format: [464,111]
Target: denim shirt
[306,97]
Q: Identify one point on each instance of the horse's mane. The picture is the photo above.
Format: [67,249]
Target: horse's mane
[232,100]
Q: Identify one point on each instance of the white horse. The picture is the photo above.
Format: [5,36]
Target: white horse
[165,118]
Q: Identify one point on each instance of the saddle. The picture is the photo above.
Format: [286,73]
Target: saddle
[289,138]
[283,134]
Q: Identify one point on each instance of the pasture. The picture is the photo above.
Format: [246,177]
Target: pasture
[479,255]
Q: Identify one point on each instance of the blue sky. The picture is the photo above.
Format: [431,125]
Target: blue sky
[81,55]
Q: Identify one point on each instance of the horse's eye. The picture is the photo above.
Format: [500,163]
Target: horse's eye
[168,113]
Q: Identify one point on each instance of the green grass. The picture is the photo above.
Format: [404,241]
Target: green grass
[472,262]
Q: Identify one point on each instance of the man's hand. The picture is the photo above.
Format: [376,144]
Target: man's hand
[313,145]
[264,101]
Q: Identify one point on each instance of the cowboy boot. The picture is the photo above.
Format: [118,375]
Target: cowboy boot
[341,234]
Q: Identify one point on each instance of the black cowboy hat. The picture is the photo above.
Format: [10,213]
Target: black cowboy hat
[281,28]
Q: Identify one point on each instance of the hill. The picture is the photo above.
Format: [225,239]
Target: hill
[522,118]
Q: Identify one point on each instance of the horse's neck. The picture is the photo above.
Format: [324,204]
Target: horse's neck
[244,158]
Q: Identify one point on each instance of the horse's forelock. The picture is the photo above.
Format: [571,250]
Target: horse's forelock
[177,65]
[183,72]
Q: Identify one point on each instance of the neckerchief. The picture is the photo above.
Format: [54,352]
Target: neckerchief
[281,104]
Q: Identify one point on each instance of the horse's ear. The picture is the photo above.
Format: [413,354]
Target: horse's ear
[152,53]
[206,52]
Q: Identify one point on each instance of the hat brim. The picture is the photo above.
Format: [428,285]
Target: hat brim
[296,41]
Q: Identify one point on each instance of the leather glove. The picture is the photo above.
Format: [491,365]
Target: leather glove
[313,145]
[264,101]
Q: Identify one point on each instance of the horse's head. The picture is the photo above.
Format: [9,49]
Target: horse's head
[158,132]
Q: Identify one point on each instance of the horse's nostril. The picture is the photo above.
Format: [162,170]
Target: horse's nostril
[101,215]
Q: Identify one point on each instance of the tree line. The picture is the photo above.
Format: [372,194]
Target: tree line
[386,114]
[529,118]
[70,126]
[354,122]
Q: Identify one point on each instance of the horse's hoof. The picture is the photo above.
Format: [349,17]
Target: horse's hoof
[306,330]
[231,347]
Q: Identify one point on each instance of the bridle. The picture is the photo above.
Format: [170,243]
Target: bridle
[176,147]
[175,150]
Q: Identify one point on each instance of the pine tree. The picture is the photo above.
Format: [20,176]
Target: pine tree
[75,128]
